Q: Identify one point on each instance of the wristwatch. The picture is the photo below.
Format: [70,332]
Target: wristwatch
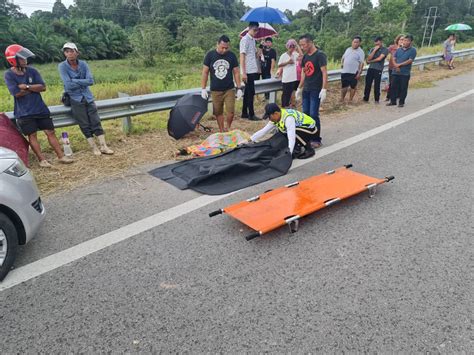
[27,87]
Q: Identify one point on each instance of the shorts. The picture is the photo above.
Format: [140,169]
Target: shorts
[348,79]
[221,98]
[32,124]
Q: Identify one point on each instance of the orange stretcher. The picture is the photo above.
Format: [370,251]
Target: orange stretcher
[286,205]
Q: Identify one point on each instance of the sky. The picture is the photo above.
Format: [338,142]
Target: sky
[29,6]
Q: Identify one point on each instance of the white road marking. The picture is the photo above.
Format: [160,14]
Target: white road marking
[54,261]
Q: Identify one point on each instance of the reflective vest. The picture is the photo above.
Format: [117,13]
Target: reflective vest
[301,120]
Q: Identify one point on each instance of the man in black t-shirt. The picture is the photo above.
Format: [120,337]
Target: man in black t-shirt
[223,66]
[267,60]
[314,81]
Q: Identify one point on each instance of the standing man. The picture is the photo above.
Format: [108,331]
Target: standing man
[224,67]
[268,60]
[352,64]
[376,61]
[313,83]
[77,78]
[25,85]
[448,47]
[249,67]
[402,60]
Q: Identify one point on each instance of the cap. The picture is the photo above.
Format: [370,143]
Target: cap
[270,109]
[70,45]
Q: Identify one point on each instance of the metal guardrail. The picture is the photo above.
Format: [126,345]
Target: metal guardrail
[137,105]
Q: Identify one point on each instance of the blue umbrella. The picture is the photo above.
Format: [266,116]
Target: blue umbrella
[265,14]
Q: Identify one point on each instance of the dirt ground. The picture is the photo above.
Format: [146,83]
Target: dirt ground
[155,147]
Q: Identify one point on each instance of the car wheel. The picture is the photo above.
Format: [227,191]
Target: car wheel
[8,245]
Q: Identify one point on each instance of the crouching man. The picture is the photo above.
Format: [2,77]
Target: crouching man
[299,128]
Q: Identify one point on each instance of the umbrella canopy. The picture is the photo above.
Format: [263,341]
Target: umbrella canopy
[186,114]
[265,14]
[458,27]
[264,31]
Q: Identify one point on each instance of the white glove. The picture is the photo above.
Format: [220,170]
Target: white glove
[298,94]
[322,95]
[204,94]
[239,94]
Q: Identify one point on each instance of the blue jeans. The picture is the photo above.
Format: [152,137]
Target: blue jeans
[311,107]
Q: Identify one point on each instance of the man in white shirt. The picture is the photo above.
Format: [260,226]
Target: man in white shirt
[248,64]
[352,64]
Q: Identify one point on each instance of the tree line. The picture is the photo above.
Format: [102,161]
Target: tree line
[185,29]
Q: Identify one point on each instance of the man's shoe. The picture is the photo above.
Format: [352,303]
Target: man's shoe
[254,118]
[308,153]
[377,102]
[401,105]
[244,116]
[66,160]
[390,104]
[45,164]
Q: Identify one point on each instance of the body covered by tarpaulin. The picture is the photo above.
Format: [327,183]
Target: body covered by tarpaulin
[12,139]
[232,170]
[218,143]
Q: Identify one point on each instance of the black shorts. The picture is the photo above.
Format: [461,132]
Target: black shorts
[348,79]
[31,124]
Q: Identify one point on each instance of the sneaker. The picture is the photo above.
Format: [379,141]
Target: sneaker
[401,105]
[66,160]
[45,164]
[390,104]
[244,116]
[308,153]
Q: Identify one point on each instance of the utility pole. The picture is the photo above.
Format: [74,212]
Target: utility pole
[432,15]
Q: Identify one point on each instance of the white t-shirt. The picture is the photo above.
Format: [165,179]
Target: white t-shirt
[352,60]
[289,71]
[247,46]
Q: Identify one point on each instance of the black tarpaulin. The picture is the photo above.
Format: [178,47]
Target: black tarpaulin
[232,170]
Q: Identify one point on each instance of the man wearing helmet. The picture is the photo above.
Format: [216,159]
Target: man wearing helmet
[25,85]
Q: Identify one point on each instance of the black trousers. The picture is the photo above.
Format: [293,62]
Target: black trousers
[304,136]
[249,93]
[87,117]
[288,89]
[399,88]
[390,77]
[266,76]
[373,75]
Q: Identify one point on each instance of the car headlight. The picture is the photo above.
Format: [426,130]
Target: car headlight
[17,169]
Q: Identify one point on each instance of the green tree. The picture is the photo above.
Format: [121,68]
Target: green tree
[59,10]
[149,40]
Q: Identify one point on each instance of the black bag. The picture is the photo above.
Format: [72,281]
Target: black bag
[66,99]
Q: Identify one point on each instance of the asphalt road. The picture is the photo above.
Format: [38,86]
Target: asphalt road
[391,273]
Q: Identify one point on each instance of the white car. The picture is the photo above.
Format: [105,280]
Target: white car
[21,209]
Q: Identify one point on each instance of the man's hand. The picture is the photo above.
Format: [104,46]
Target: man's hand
[22,87]
[204,94]
[244,77]
[291,61]
[322,95]
[357,76]
[298,94]
[239,94]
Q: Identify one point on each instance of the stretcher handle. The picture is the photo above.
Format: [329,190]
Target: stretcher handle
[252,236]
[348,166]
[389,178]
[215,213]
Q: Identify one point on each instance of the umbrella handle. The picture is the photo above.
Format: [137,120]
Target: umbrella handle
[207,129]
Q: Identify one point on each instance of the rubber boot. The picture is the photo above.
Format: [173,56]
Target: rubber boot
[103,146]
[95,150]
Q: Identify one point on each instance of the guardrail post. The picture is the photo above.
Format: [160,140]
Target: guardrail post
[421,67]
[436,63]
[272,97]
[126,121]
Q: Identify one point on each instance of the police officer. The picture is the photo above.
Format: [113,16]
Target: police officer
[299,127]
